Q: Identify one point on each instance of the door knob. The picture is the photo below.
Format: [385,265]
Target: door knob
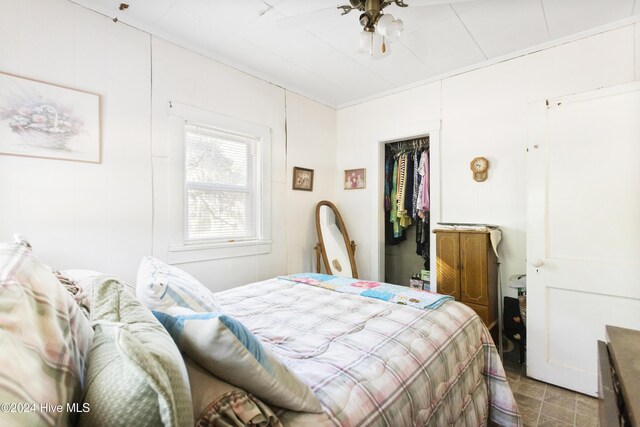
[537,262]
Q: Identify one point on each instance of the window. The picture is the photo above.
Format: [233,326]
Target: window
[221,196]
[216,174]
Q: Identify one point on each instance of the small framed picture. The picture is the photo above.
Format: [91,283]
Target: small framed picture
[302,179]
[355,179]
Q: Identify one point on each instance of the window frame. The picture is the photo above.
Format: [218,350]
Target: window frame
[253,186]
[181,249]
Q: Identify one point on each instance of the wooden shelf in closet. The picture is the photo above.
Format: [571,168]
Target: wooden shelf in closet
[467,269]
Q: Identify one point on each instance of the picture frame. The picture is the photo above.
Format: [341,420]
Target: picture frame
[45,120]
[355,179]
[302,179]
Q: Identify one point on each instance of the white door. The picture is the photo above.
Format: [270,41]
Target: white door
[583,230]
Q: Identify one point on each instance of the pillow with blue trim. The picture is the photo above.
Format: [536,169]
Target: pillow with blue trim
[160,286]
[227,349]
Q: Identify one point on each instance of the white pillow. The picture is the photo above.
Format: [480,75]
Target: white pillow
[226,348]
[160,286]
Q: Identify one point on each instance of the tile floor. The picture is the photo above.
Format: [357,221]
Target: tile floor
[546,405]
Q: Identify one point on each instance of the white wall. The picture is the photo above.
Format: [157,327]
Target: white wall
[482,113]
[100,216]
[107,216]
[311,145]
[95,216]
[192,79]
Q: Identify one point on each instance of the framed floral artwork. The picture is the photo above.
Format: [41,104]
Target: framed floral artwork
[355,179]
[302,179]
[39,119]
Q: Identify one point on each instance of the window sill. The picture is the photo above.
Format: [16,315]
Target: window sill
[181,254]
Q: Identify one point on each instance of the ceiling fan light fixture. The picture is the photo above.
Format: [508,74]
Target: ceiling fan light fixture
[383,24]
[366,42]
[394,29]
[365,21]
[374,45]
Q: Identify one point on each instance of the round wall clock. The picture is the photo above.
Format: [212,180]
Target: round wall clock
[480,168]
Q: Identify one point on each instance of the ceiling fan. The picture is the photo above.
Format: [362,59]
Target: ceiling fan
[377,27]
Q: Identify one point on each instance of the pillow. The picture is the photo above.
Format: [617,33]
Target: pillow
[217,403]
[84,281]
[136,374]
[227,349]
[45,341]
[160,286]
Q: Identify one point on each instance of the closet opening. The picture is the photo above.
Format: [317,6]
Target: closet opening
[407,208]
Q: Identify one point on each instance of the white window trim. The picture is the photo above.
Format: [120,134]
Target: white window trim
[181,251]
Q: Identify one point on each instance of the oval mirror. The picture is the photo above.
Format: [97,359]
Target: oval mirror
[338,252]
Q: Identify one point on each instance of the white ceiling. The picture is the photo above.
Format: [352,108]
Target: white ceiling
[320,59]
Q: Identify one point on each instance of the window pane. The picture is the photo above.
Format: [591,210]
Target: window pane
[220,215]
[215,158]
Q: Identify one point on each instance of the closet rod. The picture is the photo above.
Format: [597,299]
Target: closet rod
[409,145]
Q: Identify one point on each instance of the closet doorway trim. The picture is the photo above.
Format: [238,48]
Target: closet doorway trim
[376,180]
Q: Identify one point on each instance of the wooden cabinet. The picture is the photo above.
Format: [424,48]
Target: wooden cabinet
[467,269]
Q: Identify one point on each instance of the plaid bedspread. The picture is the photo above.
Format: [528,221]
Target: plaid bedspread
[374,363]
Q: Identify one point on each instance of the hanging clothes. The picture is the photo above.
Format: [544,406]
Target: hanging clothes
[402,181]
[406,198]
[417,182]
[426,203]
[422,241]
[394,234]
[397,192]
[404,220]
[423,204]
[388,169]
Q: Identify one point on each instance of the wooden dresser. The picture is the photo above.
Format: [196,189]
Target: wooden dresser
[467,268]
[619,378]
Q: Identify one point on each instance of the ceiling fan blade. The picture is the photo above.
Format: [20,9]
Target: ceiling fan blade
[307,18]
[419,3]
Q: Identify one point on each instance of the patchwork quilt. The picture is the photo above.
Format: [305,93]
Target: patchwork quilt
[375,363]
[366,288]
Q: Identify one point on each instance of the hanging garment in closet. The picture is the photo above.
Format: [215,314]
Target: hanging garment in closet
[393,215]
[423,204]
[388,169]
[402,180]
[404,220]
[422,240]
[426,204]
[393,233]
[417,179]
[408,199]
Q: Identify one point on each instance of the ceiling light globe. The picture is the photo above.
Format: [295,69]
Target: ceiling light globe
[365,42]
[382,26]
[394,30]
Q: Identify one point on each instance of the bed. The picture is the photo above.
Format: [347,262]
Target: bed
[364,353]
[376,363]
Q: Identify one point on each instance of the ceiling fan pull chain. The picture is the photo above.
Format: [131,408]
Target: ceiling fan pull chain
[384,46]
